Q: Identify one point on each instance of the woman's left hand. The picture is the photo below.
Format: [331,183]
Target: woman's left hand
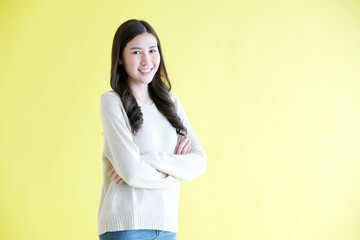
[183,146]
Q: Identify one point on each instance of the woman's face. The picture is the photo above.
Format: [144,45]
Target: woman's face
[141,59]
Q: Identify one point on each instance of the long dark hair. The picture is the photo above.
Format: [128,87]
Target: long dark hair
[159,87]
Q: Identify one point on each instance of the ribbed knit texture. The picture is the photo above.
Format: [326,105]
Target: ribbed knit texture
[149,197]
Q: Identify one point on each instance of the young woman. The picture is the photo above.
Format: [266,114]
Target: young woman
[149,145]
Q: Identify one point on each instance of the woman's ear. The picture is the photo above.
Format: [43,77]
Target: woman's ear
[120,62]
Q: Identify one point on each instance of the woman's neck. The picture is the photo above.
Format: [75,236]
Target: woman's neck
[141,93]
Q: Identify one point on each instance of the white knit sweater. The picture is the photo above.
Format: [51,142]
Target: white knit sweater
[149,197]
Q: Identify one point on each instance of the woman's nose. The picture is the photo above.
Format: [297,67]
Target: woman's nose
[145,59]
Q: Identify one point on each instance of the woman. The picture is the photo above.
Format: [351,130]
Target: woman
[149,145]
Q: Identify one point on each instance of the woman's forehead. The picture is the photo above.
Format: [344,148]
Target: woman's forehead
[144,40]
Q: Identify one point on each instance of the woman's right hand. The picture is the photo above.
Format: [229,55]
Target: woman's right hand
[183,146]
[115,177]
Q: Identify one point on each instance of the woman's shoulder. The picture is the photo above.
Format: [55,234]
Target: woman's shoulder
[173,97]
[110,93]
[111,100]
[110,96]
[177,103]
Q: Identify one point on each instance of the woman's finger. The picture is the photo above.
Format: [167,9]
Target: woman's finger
[111,172]
[189,150]
[182,145]
[118,178]
[186,147]
[177,145]
[114,176]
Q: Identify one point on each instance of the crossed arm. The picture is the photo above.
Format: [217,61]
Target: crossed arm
[183,146]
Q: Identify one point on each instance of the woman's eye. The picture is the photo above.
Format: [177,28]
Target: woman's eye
[136,52]
[152,50]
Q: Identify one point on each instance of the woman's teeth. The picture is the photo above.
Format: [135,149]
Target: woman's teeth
[148,70]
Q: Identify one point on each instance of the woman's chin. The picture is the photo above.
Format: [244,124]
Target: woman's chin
[142,80]
[147,80]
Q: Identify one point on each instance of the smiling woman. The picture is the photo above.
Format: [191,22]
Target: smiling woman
[149,145]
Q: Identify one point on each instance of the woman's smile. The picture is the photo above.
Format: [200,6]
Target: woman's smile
[145,71]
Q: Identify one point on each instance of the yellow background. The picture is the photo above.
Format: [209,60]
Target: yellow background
[271,89]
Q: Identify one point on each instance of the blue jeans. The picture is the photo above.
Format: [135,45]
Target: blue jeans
[138,234]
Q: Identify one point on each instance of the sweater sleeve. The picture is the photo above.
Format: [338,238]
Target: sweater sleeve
[123,153]
[185,167]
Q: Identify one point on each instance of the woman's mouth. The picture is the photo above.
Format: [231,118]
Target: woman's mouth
[145,71]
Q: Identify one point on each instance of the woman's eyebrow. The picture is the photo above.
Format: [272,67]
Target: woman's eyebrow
[140,47]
